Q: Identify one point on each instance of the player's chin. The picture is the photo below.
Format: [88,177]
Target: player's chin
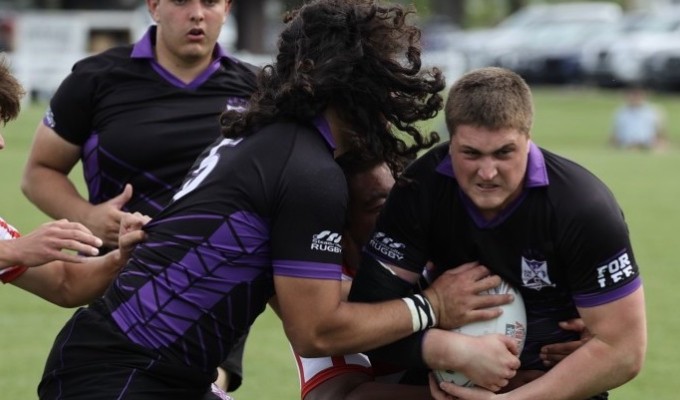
[196,51]
[487,202]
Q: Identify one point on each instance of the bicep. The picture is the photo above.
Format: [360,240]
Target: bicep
[619,323]
[303,302]
[49,150]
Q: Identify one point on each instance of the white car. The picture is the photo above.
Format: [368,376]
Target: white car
[620,61]
[508,41]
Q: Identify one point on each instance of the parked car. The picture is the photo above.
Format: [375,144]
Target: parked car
[661,70]
[527,33]
[620,62]
[552,53]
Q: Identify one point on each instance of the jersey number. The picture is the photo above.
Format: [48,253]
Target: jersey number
[204,169]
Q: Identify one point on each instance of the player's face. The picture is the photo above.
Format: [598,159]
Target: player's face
[489,165]
[367,194]
[188,29]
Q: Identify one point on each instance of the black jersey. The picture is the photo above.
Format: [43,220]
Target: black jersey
[272,203]
[138,124]
[563,243]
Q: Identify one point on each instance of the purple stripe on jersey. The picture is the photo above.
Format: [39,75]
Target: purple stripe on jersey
[322,126]
[177,295]
[306,269]
[200,79]
[91,170]
[596,299]
[137,171]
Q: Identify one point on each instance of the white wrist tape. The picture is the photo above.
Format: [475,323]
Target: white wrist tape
[422,314]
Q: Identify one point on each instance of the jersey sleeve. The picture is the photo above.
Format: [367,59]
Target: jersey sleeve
[600,262]
[306,230]
[400,235]
[71,107]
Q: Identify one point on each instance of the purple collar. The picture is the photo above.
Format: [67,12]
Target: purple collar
[324,128]
[144,49]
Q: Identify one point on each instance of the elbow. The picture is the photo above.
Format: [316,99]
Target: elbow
[311,345]
[634,363]
[26,186]
[30,182]
[68,300]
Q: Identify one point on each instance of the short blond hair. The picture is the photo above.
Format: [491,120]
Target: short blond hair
[491,97]
[10,93]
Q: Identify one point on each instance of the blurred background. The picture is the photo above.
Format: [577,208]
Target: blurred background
[578,56]
[601,43]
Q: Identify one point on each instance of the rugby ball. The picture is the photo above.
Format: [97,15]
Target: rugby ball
[512,322]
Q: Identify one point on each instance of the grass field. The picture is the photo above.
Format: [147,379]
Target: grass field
[570,121]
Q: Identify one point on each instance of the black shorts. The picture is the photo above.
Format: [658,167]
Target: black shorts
[92,359]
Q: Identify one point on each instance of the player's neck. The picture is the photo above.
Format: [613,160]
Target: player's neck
[183,68]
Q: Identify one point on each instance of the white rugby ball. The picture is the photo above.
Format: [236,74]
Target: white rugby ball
[512,322]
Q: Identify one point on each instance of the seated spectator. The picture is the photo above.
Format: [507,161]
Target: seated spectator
[638,124]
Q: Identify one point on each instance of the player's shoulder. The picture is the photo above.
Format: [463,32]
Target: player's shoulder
[433,164]
[246,67]
[301,146]
[101,62]
[574,187]
[567,173]
[237,71]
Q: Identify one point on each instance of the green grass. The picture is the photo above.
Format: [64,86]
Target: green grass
[572,122]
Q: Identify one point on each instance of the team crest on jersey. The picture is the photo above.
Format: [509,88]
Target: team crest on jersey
[535,274]
[387,246]
[327,241]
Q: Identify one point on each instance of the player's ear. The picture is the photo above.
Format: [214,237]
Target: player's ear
[152,6]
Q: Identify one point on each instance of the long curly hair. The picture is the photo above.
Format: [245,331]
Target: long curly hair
[362,59]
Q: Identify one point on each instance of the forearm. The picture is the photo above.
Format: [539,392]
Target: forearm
[592,369]
[611,358]
[71,284]
[351,328]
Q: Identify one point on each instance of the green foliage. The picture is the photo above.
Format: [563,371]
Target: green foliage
[572,122]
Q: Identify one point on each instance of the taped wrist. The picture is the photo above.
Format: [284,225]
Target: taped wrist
[422,314]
